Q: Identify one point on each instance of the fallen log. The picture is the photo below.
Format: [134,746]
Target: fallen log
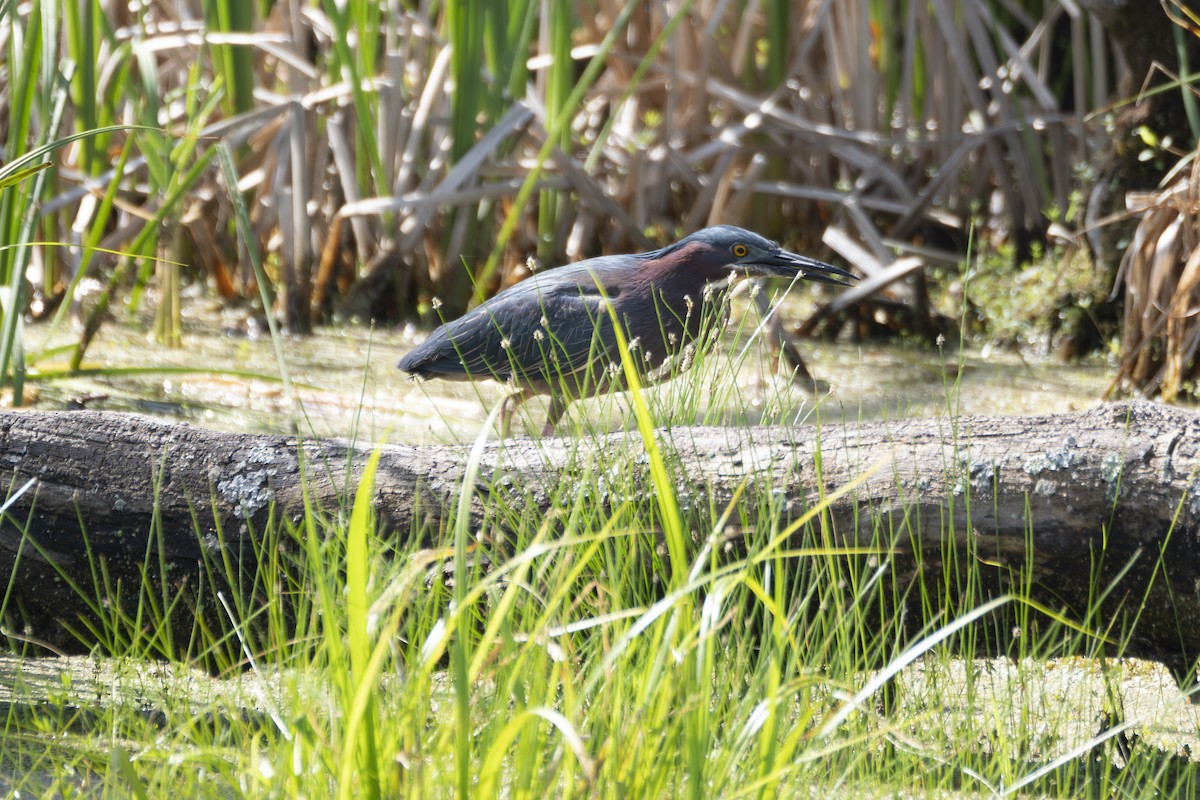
[1083,499]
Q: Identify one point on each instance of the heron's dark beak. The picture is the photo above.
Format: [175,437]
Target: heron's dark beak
[784,264]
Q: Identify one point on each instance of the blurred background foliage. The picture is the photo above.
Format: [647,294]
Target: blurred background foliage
[401,160]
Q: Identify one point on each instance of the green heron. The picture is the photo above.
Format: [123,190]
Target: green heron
[552,333]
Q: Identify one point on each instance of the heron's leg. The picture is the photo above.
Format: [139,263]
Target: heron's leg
[785,350]
[558,407]
[509,406]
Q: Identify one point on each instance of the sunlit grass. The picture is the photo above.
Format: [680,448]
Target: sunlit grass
[628,643]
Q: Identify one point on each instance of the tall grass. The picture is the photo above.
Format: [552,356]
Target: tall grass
[630,642]
[557,26]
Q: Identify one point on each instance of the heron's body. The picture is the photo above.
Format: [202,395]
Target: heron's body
[553,334]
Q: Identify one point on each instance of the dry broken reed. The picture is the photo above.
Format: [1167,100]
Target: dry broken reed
[1160,274]
[393,156]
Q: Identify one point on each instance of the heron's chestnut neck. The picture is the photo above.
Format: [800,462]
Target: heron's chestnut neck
[687,268]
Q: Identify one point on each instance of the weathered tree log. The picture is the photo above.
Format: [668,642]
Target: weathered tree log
[1097,489]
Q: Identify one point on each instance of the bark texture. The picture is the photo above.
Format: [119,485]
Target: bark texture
[1076,497]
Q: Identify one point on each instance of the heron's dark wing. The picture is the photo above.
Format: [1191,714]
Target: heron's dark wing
[546,327]
[573,331]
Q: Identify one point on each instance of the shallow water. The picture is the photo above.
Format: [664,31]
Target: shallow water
[346,384]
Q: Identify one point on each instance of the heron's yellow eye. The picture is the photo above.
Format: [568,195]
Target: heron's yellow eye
[739,250]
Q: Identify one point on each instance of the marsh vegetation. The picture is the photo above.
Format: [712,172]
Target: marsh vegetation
[241,213]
